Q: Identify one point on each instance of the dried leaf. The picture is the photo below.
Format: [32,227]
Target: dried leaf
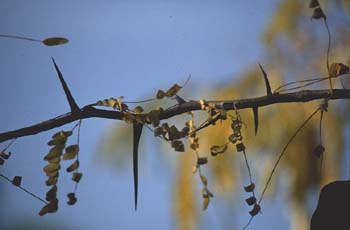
[158,131]
[180,148]
[62,135]
[5,155]
[17,181]
[73,166]
[249,188]
[194,169]
[202,160]
[55,41]
[204,180]
[72,199]
[160,94]
[318,151]
[337,69]
[1,161]
[51,181]
[251,200]
[173,90]
[71,152]
[318,13]
[49,208]
[314,3]
[77,177]
[205,203]
[138,110]
[233,138]
[256,209]
[52,193]
[51,168]
[55,160]
[54,152]
[240,147]
[216,149]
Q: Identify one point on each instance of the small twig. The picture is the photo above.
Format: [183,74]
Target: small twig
[19,37]
[24,189]
[283,151]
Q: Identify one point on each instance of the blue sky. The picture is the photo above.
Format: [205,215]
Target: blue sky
[129,48]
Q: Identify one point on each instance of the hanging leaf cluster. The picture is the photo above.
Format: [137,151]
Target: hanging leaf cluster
[59,152]
[114,103]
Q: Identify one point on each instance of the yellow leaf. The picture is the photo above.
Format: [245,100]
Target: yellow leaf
[204,180]
[205,203]
[54,41]
[51,168]
[138,109]
[54,152]
[73,166]
[71,152]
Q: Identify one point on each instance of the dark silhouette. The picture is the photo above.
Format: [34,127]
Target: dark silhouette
[333,208]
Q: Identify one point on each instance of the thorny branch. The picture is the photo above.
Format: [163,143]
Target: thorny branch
[90,112]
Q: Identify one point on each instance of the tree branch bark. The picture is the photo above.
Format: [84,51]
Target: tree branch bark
[90,112]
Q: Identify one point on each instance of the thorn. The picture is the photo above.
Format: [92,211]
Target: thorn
[179,100]
[267,83]
[256,118]
[73,105]
[137,134]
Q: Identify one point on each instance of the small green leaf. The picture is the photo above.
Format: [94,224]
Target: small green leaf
[55,41]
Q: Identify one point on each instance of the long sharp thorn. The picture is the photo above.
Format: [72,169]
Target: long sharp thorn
[73,105]
[256,118]
[267,83]
[137,129]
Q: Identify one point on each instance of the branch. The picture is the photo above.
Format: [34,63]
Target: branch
[89,111]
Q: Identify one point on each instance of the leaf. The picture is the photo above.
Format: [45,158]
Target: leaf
[216,149]
[318,151]
[318,13]
[62,135]
[256,209]
[337,69]
[51,168]
[72,199]
[160,94]
[205,203]
[251,200]
[17,181]
[77,177]
[52,193]
[5,155]
[73,166]
[158,131]
[202,160]
[204,180]
[138,109]
[178,145]
[256,119]
[55,41]
[2,161]
[314,3]
[240,147]
[51,181]
[49,208]
[54,152]
[173,90]
[71,152]
[249,188]
[55,160]
[137,130]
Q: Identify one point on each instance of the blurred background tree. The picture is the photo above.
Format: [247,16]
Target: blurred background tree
[295,49]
